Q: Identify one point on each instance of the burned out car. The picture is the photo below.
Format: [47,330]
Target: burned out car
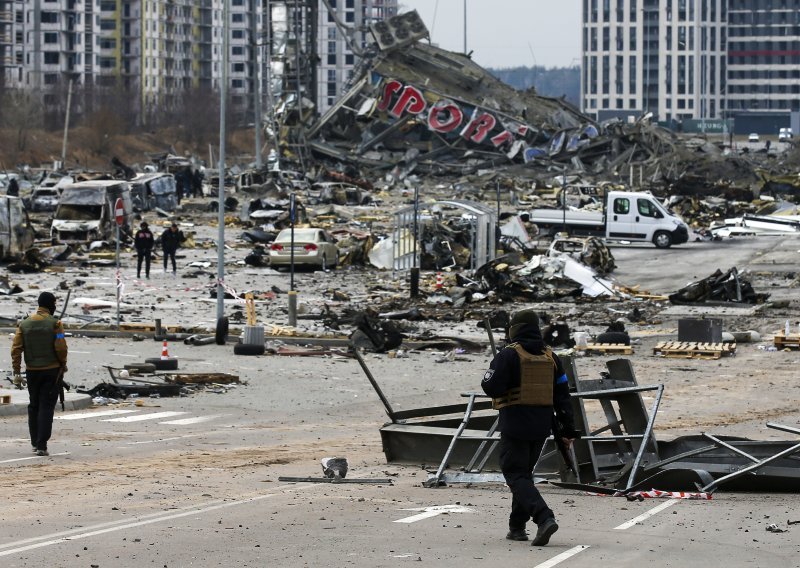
[154,191]
[312,247]
[85,212]
[16,232]
[44,199]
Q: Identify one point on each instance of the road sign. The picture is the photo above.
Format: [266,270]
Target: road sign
[119,211]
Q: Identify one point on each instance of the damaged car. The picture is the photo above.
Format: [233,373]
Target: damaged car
[311,247]
[86,211]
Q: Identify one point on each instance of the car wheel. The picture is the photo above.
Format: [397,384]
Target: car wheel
[246,349]
[170,364]
[662,239]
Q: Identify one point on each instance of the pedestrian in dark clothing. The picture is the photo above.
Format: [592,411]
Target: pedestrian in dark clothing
[13,188]
[40,338]
[171,239]
[527,382]
[143,242]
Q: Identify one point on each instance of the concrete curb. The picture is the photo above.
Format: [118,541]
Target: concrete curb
[20,400]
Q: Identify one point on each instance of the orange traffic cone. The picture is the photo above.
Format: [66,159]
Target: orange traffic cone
[164,352]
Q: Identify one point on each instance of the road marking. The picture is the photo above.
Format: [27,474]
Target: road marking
[81,352]
[34,457]
[193,420]
[428,512]
[142,417]
[81,415]
[122,524]
[563,556]
[655,510]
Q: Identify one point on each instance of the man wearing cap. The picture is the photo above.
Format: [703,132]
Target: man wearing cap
[143,242]
[527,383]
[41,338]
[170,241]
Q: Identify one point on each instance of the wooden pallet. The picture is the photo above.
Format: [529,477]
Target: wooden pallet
[790,341]
[610,348]
[693,349]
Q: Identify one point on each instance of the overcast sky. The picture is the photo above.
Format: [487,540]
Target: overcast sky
[506,33]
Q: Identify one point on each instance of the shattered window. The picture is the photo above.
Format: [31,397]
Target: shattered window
[622,206]
[67,212]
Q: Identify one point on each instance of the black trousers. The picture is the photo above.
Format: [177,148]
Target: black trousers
[517,460]
[143,255]
[169,254]
[43,393]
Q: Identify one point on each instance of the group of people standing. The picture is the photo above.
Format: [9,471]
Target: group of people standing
[144,241]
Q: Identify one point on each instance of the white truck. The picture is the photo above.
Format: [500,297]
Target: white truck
[626,216]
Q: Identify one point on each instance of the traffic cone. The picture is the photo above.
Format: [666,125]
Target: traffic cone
[439,281]
[164,352]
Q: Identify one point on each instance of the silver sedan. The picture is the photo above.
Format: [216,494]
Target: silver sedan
[311,247]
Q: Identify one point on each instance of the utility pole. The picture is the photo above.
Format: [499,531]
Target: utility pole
[223,95]
[257,85]
[465,27]
[66,127]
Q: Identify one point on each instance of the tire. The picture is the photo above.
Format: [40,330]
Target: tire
[170,364]
[245,349]
[662,239]
[221,333]
[140,367]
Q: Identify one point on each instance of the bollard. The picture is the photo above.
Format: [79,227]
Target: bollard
[158,332]
[292,308]
[414,282]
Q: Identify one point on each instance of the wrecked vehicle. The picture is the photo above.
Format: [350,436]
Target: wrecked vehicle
[16,232]
[629,216]
[592,252]
[86,211]
[341,193]
[43,199]
[311,247]
[154,191]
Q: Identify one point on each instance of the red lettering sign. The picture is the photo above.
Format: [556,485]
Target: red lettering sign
[504,137]
[479,127]
[389,89]
[445,116]
[411,100]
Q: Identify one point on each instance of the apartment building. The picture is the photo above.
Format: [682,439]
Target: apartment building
[667,57]
[337,60]
[764,55]
[11,40]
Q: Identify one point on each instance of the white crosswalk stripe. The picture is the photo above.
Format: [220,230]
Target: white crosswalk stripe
[93,414]
[143,417]
[193,420]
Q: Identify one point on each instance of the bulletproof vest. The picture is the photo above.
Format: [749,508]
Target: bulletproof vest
[38,333]
[535,381]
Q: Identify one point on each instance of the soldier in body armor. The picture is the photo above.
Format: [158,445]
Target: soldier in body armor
[527,383]
[40,338]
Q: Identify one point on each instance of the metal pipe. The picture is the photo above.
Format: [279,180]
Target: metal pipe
[434,481]
[223,95]
[729,447]
[783,428]
[646,437]
[66,128]
[374,383]
[117,278]
[717,482]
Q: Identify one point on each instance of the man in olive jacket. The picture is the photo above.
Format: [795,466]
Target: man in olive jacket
[40,338]
[526,419]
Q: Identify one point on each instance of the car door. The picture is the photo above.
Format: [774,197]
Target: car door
[619,224]
[647,219]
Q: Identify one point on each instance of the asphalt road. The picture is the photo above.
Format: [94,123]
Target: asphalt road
[193,481]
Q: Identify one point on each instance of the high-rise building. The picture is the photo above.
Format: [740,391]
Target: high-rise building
[667,57]
[763,55]
[11,40]
[336,59]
